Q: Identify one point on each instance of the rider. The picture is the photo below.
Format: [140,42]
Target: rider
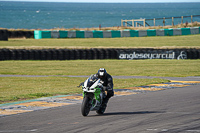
[107,84]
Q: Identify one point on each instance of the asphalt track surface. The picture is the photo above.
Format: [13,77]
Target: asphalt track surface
[171,110]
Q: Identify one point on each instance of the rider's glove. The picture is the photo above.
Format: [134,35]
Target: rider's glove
[81,84]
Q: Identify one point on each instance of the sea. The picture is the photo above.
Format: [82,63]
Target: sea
[48,15]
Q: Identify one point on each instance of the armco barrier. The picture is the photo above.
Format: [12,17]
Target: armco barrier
[63,34]
[55,34]
[151,32]
[134,33]
[80,34]
[72,34]
[97,34]
[88,34]
[107,34]
[125,33]
[160,32]
[91,54]
[177,32]
[195,30]
[116,33]
[37,34]
[168,32]
[185,31]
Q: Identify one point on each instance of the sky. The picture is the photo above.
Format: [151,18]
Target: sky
[110,1]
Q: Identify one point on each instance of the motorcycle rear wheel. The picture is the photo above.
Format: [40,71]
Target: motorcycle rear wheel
[101,111]
[85,107]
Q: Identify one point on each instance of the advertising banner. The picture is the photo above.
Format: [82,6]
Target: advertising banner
[152,54]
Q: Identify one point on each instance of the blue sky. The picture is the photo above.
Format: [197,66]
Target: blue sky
[111,1]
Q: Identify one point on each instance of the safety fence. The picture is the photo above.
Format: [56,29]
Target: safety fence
[159,21]
[92,54]
[116,33]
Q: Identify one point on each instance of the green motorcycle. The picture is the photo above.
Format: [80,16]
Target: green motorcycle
[93,95]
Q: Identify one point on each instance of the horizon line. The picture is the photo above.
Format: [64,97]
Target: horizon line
[89,2]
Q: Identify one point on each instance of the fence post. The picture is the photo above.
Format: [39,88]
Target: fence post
[181,19]
[144,23]
[122,22]
[191,19]
[172,21]
[154,22]
[132,22]
[164,21]
[125,23]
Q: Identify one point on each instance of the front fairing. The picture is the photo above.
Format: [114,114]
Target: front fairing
[91,84]
[92,88]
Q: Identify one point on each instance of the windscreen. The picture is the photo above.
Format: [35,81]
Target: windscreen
[92,79]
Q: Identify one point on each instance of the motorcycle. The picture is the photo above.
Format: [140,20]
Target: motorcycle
[93,95]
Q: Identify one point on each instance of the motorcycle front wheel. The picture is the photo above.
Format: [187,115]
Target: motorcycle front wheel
[85,107]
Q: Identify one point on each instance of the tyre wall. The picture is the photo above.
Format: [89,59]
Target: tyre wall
[20,34]
[93,54]
[3,35]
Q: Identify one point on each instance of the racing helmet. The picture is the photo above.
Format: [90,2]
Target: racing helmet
[102,72]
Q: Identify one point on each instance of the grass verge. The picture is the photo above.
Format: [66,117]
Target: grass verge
[189,41]
[162,68]
[22,88]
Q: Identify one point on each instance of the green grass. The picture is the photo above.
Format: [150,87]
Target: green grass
[21,88]
[131,42]
[163,68]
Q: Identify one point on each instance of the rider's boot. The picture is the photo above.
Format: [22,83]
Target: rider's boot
[105,102]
